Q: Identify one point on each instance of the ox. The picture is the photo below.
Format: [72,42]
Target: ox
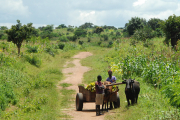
[132,90]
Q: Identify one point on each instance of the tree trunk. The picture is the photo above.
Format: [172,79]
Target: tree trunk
[19,51]
[173,42]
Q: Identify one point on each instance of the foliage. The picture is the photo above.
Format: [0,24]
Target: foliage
[154,23]
[63,39]
[72,38]
[143,34]
[134,24]
[80,32]
[110,44]
[171,28]
[81,42]
[105,37]
[61,26]
[18,33]
[118,33]
[98,30]
[3,28]
[47,32]
[89,39]
[70,29]
[34,60]
[86,25]
[61,46]
[32,49]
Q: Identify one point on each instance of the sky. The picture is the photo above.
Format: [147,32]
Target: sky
[77,12]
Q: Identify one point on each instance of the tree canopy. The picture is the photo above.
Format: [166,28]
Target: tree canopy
[154,23]
[134,24]
[18,33]
[171,28]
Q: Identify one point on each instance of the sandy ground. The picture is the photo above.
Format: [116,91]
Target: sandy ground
[74,76]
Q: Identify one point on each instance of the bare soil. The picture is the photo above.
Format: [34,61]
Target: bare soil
[74,76]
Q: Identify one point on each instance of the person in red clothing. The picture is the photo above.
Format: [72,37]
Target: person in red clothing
[99,96]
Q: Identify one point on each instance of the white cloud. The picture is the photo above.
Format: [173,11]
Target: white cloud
[13,7]
[139,2]
[80,17]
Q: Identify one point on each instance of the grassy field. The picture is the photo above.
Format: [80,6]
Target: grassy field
[28,81]
[151,104]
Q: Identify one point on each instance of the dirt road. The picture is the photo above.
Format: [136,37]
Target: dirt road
[74,76]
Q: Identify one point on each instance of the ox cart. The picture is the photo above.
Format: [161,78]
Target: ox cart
[85,96]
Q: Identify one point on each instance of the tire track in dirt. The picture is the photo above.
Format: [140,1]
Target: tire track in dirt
[74,76]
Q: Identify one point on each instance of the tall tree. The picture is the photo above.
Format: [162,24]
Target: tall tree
[18,33]
[86,25]
[171,28]
[134,24]
[154,23]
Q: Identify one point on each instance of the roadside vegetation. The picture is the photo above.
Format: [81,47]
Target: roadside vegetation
[30,72]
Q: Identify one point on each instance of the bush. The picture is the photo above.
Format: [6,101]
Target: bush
[89,39]
[63,39]
[50,50]
[70,29]
[110,44]
[147,43]
[72,38]
[80,32]
[143,34]
[118,33]
[61,46]
[32,49]
[34,60]
[81,42]
[99,43]
[105,37]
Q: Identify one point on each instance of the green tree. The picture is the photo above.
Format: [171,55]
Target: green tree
[86,25]
[3,28]
[154,23]
[61,26]
[134,24]
[98,30]
[80,32]
[47,32]
[18,33]
[171,28]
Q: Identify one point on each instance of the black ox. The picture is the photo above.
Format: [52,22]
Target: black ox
[132,90]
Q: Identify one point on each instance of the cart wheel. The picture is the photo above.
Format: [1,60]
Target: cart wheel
[79,101]
[118,100]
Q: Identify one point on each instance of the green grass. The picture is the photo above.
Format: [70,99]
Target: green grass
[65,85]
[34,86]
[151,104]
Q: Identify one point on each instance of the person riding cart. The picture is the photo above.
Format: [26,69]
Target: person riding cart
[111,79]
[99,94]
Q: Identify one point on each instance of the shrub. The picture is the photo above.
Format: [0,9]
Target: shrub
[81,42]
[99,43]
[70,29]
[72,38]
[112,33]
[63,39]
[61,46]
[89,39]
[34,60]
[105,37]
[32,49]
[80,32]
[118,33]
[143,34]
[110,44]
